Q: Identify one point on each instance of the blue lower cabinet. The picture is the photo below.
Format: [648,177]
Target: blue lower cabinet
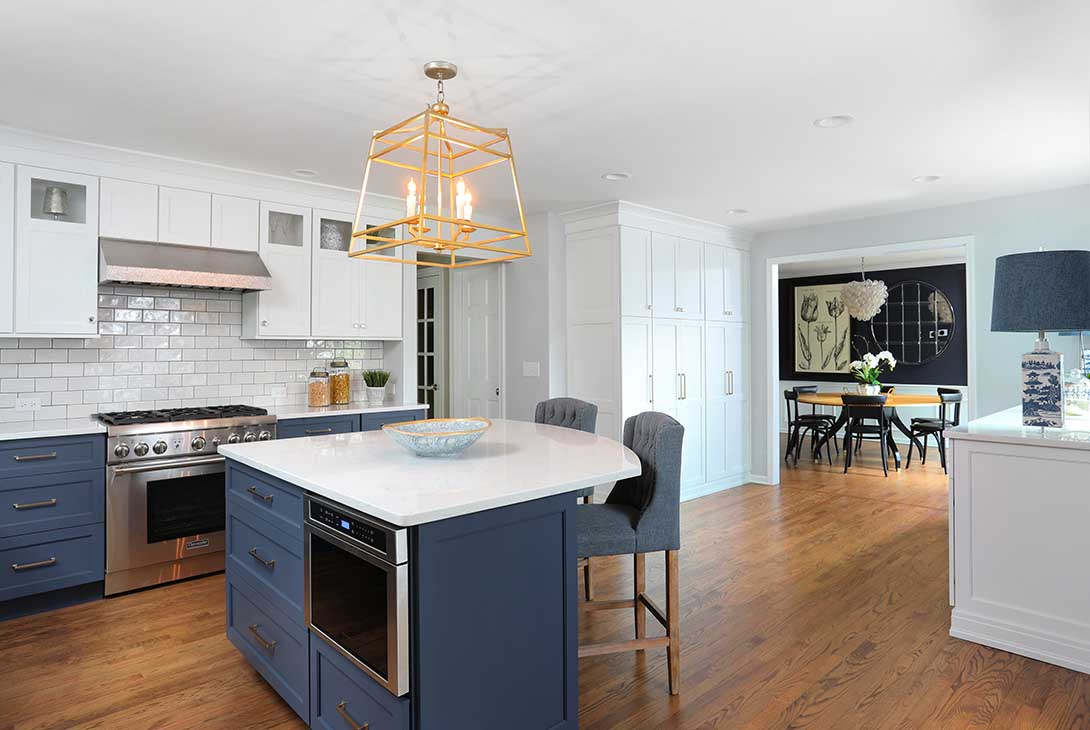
[270,560]
[51,560]
[375,421]
[40,502]
[52,455]
[273,644]
[276,501]
[343,697]
[321,426]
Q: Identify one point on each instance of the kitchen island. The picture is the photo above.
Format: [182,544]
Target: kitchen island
[369,585]
[1019,537]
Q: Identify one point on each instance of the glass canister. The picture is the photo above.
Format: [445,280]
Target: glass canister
[340,382]
[318,388]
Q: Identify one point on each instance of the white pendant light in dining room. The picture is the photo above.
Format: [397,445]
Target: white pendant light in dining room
[863,299]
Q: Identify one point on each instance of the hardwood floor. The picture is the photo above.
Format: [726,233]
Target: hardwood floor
[818,604]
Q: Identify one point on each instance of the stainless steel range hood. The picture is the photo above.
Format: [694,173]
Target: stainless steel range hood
[169,264]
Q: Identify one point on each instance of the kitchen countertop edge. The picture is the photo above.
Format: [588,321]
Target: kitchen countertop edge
[49,428]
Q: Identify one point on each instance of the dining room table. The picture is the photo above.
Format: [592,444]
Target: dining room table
[894,401]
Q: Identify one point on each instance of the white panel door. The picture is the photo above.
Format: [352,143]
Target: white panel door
[636,284]
[736,285]
[381,314]
[665,371]
[337,284]
[479,350]
[725,395]
[637,382]
[235,223]
[714,282]
[690,410]
[185,216]
[688,277]
[56,260]
[727,436]
[7,248]
[664,275]
[690,414]
[284,310]
[129,210]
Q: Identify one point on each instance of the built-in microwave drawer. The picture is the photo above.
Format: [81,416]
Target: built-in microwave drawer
[341,696]
[273,500]
[262,555]
[52,455]
[51,501]
[47,561]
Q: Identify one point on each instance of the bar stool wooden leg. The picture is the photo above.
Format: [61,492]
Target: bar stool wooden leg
[673,619]
[639,580]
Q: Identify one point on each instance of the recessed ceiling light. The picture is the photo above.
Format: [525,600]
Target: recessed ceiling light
[926,178]
[838,120]
[617,176]
[304,172]
[737,211]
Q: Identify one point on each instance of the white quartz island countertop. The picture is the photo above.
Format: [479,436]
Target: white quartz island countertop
[1006,427]
[513,462]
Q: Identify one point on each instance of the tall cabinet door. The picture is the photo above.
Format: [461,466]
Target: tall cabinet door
[338,280]
[56,254]
[665,371]
[690,410]
[689,277]
[636,278]
[284,310]
[725,394]
[7,248]
[637,381]
[664,275]
[383,283]
[726,273]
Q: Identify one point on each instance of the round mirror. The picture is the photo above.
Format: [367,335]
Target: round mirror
[915,324]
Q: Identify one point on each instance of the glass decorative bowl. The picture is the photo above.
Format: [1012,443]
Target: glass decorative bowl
[438,436]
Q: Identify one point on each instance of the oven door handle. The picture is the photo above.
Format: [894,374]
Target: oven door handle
[175,464]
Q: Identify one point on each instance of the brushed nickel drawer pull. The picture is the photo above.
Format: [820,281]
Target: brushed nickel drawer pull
[348,718]
[268,645]
[311,431]
[253,490]
[267,563]
[37,457]
[34,505]
[30,566]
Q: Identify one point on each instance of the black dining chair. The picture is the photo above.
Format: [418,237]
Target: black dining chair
[860,409]
[890,411]
[925,427]
[799,424]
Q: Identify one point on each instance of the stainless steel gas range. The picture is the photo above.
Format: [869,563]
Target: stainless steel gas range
[165,497]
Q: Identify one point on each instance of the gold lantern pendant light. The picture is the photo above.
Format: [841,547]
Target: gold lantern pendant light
[439,159]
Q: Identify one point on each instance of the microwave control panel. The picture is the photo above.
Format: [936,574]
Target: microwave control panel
[350,526]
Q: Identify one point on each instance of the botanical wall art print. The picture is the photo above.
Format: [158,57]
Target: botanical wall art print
[822,330]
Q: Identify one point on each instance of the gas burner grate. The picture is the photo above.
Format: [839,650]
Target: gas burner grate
[164,415]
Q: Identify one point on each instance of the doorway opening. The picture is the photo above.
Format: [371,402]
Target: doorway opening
[432,339]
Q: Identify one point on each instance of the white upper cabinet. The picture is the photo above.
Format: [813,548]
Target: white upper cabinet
[185,216]
[726,273]
[382,300]
[636,273]
[338,280]
[664,279]
[676,265]
[129,210]
[56,253]
[689,272]
[283,310]
[7,248]
[235,223]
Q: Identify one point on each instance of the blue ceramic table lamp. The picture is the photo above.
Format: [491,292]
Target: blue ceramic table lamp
[1043,291]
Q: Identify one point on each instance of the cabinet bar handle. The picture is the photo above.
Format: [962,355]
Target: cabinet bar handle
[35,505]
[726,382]
[650,389]
[37,457]
[253,490]
[30,566]
[268,645]
[730,376]
[348,718]
[311,431]
[270,564]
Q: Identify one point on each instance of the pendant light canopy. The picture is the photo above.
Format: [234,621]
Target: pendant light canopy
[864,299]
[441,162]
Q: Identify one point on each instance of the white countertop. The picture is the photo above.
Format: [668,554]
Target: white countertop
[515,461]
[1006,427]
[48,428]
[304,411]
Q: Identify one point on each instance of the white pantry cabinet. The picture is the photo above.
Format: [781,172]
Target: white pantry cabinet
[128,210]
[338,281]
[285,243]
[235,223]
[676,265]
[636,277]
[726,388]
[185,216]
[56,257]
[7,248]
[677,369]
[637,375]
[726,273]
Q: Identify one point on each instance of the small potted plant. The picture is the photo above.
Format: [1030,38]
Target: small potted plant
[376,380]
[868,371]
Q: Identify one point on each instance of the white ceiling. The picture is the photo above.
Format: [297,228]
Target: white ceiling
[708,104]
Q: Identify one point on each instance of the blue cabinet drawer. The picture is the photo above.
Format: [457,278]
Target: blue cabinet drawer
[46,561]
[51,501]
[342,696]
[266,558]
[375,421]
[275,501]
[299,427]
[52,455]
[274,647]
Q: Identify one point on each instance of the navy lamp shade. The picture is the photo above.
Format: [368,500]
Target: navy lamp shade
[1042,291]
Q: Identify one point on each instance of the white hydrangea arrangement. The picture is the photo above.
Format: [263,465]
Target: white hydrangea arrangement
[869,369]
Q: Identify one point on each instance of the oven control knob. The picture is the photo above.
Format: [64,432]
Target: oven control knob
[233,439]
[160,447]
[264,436]
[251,436]
[141,449]
[121,451]
[198,443]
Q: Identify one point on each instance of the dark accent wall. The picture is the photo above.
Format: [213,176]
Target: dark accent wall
[950,368]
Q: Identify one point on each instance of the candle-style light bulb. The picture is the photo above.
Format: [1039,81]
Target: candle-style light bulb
[410,199]
[460,198]
[467,206]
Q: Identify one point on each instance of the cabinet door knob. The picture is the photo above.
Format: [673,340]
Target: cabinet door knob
[90,319]
[264,323]
[728,312]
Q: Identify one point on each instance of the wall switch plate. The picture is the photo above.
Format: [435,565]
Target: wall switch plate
[28,403]
[531,369]
[278,391]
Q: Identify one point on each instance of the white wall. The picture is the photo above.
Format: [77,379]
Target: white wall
[1055,219]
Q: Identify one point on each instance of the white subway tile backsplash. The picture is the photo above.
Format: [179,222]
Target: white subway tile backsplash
[35,371]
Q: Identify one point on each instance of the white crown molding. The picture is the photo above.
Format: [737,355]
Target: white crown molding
[625,213]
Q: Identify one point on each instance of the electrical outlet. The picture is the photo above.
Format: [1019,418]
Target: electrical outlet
[531,369]
[28,403]
[278,391]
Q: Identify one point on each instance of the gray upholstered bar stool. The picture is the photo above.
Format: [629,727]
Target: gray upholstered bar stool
[582,416]
[641,515]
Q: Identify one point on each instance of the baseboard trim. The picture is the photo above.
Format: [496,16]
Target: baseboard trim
[703,490]
[759,479]
[1062,651]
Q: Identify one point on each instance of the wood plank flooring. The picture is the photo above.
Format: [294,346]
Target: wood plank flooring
[820,604]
